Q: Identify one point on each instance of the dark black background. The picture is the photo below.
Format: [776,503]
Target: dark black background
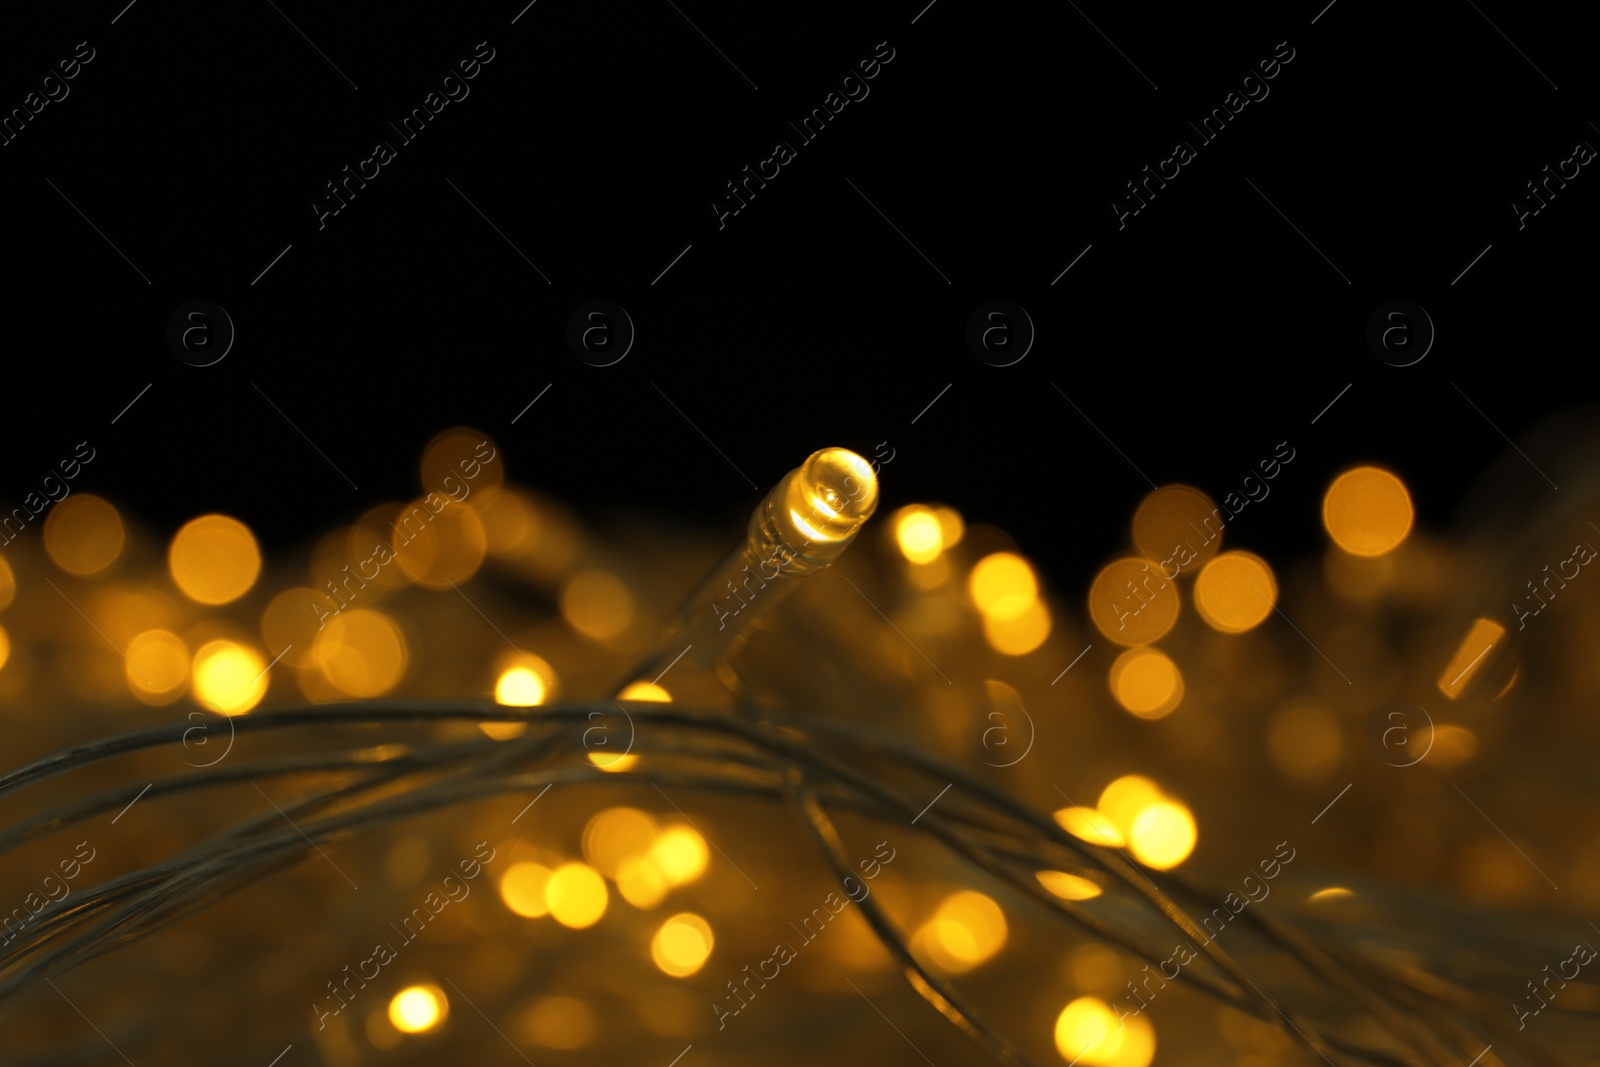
[1196,338]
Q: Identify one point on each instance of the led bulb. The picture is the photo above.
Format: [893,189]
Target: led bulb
[831,495]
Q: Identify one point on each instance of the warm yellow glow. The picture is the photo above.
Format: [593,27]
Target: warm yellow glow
[1146,682]
[967,929]
[525,682]
[646,691]
[157,666]
[519,687]
[1131,603]
[5,646]
[597,605]
[831,494]
[1068,886]
[1090,825]
[1124,798]
[682,945]
[1305,740]
[1089,1032]
[1020,635]
[920,534]
[1171,523]
[214,559]
[83,534]
[1470,657]
[510,522]
[291,622]
[437,542]
[419,1008]
[462,464]
[640,882]
[1163,835]
[8,584]
[229,678]
[1367,511]
[614,835]
[522,887]
[576,895]
[1235,592]
[1003,586]
[951,527]
[361,653]
[560,1022]
[621,761]
[680,854]
[1452,746]
[1333,892]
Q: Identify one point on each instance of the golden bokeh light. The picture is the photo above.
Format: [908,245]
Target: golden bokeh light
[1333,892]
[229,678]
[1163,835]
[1235,592]
[1068,886]
[1124,798]
[292,620]
[1087,824]
[1019,635]
[967,929]
[526,681]
[680,854]
[951,526]
[5,647]
[83,534]
[919,534]
[622,761]
[1003,586]
[1305,740]
[1177,522]
[682,945]
[8,584]
[1146,683]
[1470,657]
[461,464]
[522,888]
[157,666]
[1131,603]
[641,882]
[1367,511]
[419,1008]
[214,559]
[597,604]
[1089,1032]
[510,522]
[361,653]
[520,687]
[576,895]
[1452,746]
[616,834]
[438,550]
